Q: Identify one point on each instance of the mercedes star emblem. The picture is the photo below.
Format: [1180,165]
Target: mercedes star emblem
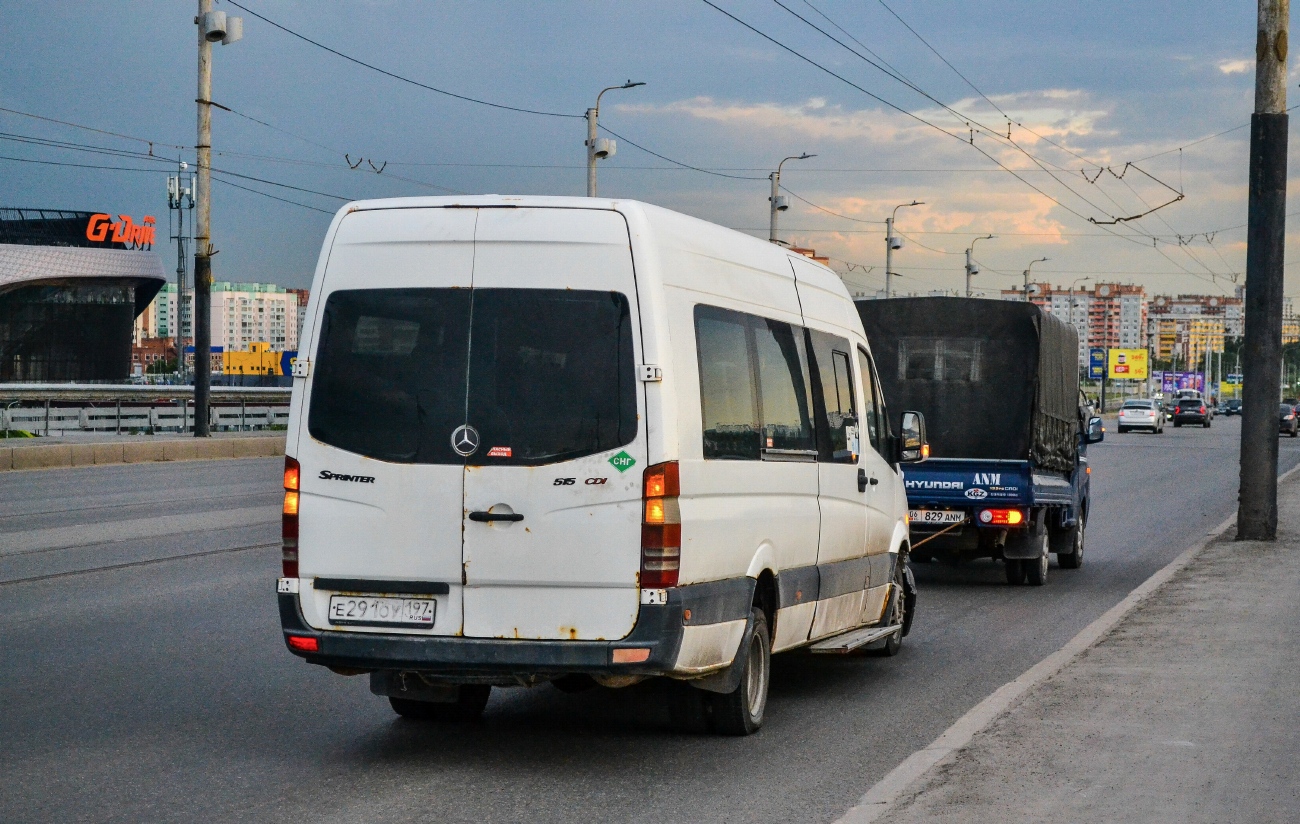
[464,440]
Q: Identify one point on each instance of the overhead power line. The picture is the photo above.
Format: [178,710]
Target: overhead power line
[396,76]
[150,143]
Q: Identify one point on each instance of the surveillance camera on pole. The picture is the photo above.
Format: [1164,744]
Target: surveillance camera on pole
[892,244]
[599,148]
[214,27]
[776,201]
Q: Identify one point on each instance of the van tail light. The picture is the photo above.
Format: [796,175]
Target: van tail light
[661,527]
[289,520]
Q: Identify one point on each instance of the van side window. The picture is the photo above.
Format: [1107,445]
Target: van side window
[871,406]
[785,395]
[728,394]
[834,378]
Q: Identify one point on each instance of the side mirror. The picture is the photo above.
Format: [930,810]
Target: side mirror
[1096,434]
[912,444]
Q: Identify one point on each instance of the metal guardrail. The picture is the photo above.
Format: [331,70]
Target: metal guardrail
[56,409]
[42,392]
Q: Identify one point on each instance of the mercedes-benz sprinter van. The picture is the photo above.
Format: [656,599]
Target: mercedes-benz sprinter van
[567,439]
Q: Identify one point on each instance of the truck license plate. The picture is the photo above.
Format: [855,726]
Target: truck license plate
[941,517]
[378,611]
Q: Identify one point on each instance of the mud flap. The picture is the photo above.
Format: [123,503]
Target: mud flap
[728,678]
[1030,544]
[909,598]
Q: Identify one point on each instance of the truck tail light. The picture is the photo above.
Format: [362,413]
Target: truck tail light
[661,527]
[1002,517]
[289,520]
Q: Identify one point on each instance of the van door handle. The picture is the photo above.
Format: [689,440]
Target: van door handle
[483,517]
[862,480]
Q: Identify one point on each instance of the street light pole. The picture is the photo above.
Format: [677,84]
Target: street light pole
[971,268]
[777,202]
[1027,270]
[213,26]
[599,148]
[892,243]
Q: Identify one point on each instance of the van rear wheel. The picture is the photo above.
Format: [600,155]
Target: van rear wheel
[740,712]
[470,702]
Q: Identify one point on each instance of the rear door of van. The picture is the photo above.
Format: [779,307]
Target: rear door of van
[552,494]
[382,487]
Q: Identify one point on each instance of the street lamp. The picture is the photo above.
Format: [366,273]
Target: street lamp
[971,268]
[214,27]
[892,243]
[603,147]
[777,200]
[1027,269]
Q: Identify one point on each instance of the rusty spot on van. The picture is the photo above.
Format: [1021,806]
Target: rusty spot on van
[572,632]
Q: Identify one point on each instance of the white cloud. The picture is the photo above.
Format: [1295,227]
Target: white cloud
[1236,66]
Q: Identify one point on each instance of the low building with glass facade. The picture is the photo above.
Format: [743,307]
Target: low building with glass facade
[71,286]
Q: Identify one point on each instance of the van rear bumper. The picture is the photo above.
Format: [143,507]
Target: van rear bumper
[659,628]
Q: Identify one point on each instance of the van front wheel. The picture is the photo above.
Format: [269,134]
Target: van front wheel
[740,712]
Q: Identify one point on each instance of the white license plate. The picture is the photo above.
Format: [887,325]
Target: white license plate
[380,611]
[942,517]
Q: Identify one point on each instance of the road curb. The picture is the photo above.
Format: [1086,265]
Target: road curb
[62,456]
[885,794]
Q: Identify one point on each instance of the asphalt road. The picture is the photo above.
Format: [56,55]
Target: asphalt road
[159,689]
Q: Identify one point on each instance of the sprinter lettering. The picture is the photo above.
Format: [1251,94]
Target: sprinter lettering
[326,475]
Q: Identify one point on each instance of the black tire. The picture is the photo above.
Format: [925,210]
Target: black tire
[1177,424]
[1036,569]
[895,614]
[1295,432]
[1071,540]
[468,706]
[1015,571]
[740,712]
[1207,423]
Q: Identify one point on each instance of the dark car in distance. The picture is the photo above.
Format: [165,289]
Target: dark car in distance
[1287,422]
[1191,411]
[1232,407]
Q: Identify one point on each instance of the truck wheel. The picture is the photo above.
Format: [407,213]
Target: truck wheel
[468,706]
[1036,570]
[740,712]
[1015,571]
[1072,558]
[1178,424]
[1207,423]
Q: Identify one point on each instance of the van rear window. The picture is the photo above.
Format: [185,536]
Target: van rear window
[542,375]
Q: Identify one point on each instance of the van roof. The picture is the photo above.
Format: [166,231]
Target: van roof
[624,205]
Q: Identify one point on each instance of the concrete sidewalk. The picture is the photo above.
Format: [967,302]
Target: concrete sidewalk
[1188,711]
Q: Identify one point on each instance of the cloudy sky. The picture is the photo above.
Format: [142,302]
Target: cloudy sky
[1083,87]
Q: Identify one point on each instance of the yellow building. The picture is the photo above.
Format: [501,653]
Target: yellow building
[258,360]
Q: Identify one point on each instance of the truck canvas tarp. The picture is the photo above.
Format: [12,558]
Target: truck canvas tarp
[996,380]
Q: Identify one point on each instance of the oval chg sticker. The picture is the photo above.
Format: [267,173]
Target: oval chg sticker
[622,461]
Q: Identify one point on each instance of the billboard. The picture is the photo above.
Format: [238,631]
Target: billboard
[1171,382]
[1096,363]
[1128,364]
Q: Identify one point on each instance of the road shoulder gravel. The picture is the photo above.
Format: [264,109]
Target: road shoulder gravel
[1183,709]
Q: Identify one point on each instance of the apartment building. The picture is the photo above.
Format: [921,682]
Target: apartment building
[1106,315]
[241,314]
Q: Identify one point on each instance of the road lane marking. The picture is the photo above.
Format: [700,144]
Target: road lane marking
[81,535]
[883,797]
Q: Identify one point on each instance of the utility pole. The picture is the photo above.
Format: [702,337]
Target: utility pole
[599,148]
[1265,250]
[1027,270]
[893,242]
[777,202]
[213,26]
[972,268]
[180,199]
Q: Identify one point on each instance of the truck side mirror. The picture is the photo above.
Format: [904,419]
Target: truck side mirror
[1096,432]
[912,444]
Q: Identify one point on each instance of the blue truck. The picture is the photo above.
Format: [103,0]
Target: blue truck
[998,383]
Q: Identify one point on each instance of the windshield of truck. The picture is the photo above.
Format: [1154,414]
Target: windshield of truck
[540,374]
